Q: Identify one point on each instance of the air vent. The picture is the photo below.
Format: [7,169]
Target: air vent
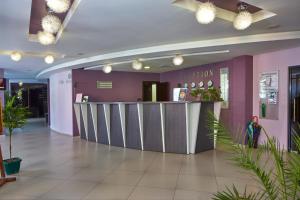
[104,84]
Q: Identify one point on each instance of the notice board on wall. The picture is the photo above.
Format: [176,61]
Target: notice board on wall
[268,95]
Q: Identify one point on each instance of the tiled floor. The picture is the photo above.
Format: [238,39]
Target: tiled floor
[61,167]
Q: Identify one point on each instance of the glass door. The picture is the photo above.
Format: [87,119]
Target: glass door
[294,105]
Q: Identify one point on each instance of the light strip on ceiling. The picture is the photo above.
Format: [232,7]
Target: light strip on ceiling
[158,58]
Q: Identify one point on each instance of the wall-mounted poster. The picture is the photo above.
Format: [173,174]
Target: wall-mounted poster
[268,95]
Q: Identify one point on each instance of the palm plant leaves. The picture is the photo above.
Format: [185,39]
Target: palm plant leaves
[277,172]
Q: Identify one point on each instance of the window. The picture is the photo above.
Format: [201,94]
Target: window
[224,84]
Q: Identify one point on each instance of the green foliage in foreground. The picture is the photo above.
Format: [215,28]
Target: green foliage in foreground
[277,172]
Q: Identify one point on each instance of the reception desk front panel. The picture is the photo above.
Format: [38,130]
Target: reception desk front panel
[173,127]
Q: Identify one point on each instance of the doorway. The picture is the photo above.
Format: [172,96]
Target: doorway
[294,106]
[155,91]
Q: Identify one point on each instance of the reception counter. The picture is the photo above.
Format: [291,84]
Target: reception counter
[172,127]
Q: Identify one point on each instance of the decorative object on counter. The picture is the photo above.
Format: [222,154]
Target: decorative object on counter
[85,99]
[3,178]
[210,83]
[78,98]
[179,85]
[14,116]
[201,84]
[182,94]
[185,85]
[193,85]
[210,94]
[274,170]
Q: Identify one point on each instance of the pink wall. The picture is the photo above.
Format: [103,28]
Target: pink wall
[61,105]
[275,61]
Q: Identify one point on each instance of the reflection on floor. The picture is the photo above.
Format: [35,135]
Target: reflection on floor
[61,167]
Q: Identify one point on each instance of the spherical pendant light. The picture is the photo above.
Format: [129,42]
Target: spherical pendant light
[137,65]
[206,13]
[243,20]
[51,23]
[20,83]
[16,56]
[49,59]
[59,6]
[107,69]
[178,60]
[45,38]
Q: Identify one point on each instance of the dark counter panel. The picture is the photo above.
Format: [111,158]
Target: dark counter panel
[204,142]
[91,130]
[102,129]
[133,139]
[82,129]
[152,127]
[116,137]
[175,128]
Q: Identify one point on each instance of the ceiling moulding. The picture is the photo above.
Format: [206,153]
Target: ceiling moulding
[32,54]
[266,37]
[192,5]
[32,37]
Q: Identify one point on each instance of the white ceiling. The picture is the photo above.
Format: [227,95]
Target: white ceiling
[100,27]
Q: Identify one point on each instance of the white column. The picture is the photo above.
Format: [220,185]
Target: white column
[84,117]
[141,126]
[122,119]
[94,113]
[193,115]
[162,118]
[217,113]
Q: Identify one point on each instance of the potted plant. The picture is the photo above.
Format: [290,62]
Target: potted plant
[210,94]
[14,116]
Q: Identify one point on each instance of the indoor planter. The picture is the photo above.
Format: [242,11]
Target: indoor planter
[211,94]
[14,116]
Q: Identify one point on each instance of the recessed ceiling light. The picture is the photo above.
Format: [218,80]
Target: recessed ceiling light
[45,38]
[51,23]
[107,69]
[178,60]
[137,65]
[147,67]
[16,56]
[59,6]
[49,59]
[206,13]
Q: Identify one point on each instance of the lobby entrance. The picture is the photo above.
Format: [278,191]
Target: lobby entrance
[294,105]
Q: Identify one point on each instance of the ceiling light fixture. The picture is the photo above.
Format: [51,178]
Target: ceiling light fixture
[16,56]
[147,67]
[137,65]
[49,59]
[51,23]
[20,83]
[107,69]
[178,60]
[45,38]
[244,19]
[206,13]
[59,6]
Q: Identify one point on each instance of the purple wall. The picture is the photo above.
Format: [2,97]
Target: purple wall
[127,86]
[240,89]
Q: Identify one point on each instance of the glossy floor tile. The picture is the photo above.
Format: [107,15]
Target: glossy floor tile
[57,166]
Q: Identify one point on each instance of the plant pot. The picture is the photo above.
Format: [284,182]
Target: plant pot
[12,166]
